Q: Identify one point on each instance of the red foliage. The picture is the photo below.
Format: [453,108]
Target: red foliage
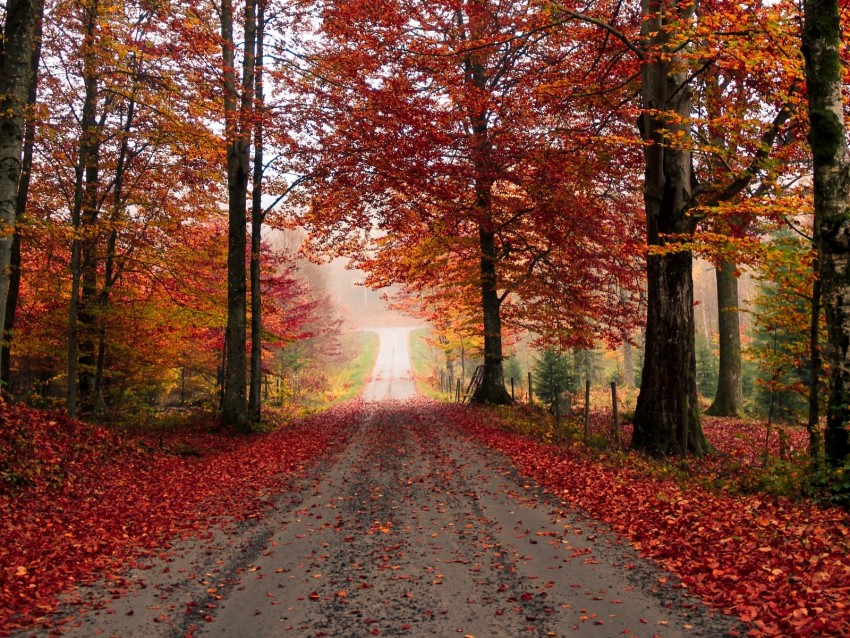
[76,501]
[782,567]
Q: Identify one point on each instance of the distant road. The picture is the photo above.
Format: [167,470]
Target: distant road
[392,377]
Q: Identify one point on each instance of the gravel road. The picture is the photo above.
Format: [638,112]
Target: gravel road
[410,530]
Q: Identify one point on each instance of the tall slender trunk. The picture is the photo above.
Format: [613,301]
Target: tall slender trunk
[256,229]
[831,163]
[15,81]
[21,204]
[87,310]
[729,398]
[238,133]
[667,405]
[88,142]
[815,367]
[111,273]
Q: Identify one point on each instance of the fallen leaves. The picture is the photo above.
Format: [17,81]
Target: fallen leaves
[782,566]
[76,501]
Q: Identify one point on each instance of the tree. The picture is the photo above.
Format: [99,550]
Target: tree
[431,121]
[238,111]
[21,205]
[16,77]
[553,376]
[831,162]
[672,53]
[781,344]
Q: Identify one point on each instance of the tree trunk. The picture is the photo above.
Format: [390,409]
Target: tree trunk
[15,82]
[237,131]
[827,136]
[668,382]
[815,367]
[87,311]
[729,398]
[492,388]
[88,142]
[256,229]
[111,272]
[21,206]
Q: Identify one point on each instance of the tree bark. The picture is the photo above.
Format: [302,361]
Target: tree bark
[15,82]
[815,368]
[729,398]
[256,229]
[237,131]
[88,143]
[492,388]
[668,382]
[827,136]
[21,205]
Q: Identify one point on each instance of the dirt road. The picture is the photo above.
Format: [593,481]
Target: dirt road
[411,530]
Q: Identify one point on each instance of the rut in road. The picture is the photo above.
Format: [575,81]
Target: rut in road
[417,531]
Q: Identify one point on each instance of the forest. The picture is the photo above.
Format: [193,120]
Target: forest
[518,170]
[648,195]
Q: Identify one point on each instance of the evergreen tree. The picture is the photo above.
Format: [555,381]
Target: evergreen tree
[553,375]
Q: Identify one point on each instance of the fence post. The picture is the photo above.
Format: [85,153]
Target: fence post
[586,408]
[557,414]
[616,415]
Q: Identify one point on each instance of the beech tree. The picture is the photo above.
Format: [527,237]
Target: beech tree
[831,162]
[15,81]
[238,110]
[431,120]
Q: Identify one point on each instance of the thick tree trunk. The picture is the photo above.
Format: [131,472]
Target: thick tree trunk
[667,404]
[21,206]
[492,388]
[15,82]
[827,136]
[256,229]
[238,132]
[729,398]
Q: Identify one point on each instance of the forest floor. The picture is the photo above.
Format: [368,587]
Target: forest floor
[402,518]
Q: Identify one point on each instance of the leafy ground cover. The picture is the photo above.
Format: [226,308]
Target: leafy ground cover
[782,566]
[77,501]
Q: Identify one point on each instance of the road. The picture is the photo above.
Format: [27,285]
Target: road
[411,530]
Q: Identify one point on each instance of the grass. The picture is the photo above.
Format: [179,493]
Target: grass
[350,380]
[423,358]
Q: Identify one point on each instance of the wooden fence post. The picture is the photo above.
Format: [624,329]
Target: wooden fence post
[616,415]
[586,408]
